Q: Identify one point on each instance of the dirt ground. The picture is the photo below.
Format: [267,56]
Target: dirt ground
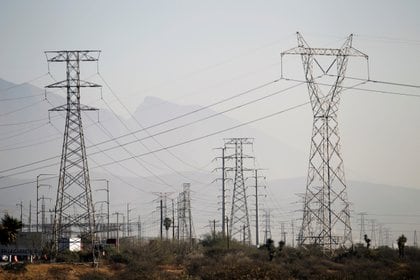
[55,271]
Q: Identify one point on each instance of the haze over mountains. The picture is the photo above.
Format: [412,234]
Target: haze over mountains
[28,135]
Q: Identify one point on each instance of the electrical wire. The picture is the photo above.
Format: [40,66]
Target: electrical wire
[214,133]
[20,133]
[205,118]
[22,108]
[108,133]
[23,83]
[361,89]
[170,146]
[151,126]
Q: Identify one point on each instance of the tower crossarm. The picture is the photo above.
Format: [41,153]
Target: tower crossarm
[304,49]
[301,50]
[66,83]
[76,55]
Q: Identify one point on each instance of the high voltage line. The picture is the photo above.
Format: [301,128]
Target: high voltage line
[202,108]
[208,106]
[144,145]
[40,161]
[182,143]
[155,125]
[109,134]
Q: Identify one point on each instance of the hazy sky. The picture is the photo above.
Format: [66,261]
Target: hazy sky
[196,52]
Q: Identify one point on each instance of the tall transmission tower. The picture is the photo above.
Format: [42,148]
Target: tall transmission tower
[326,211]
[185,225]
[74,212]
[362,226]
[240,226]
[267,230]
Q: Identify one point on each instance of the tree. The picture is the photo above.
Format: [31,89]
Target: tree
[401,244]
[367,240]
[167,223]
[9,229]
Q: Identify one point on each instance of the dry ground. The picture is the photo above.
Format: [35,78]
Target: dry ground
[56,271]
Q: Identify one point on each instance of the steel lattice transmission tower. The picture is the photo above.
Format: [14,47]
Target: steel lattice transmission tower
[74,212]
[326,212]
[240,226]
[185,224]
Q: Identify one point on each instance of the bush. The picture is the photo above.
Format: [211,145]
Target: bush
[94,275]
[15,267]
[67,256]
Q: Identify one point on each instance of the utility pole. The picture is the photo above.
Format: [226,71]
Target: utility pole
[21,210]
[223,179]
[74,202]
[161,219]
[214,229]
[362,226]
[128,220]
[283,232]
[30,216]
[118,231]
[326,209]
[38,185]
[267,231]
[107,203]
[415,239]
[257,230]
[293,233]
[139,229]
[173,220]
[227,232]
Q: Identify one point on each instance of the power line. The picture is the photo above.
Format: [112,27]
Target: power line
[192,112]
[23,83]
[178,144]
[108,133]
[22,132]
[25,122]
[158,124]
[379,82]
[21,97]
[213,133]
[199,120]
[22,108]
[361,89]
[144,145]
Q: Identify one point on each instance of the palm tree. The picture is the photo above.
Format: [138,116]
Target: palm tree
[167,223]
[9,229]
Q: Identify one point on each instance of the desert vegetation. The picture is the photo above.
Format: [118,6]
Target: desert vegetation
[211,259]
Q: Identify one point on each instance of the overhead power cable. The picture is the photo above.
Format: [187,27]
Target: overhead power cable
[191,112]
[182,143]
[22,108]
[23,83]
[144,145]
[108,133]
[361,89]
[151,136]
[154,125]
[212,134]
[200,120]
[379,82]
[20,133]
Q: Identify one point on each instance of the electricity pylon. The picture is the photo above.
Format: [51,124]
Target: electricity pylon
[326,211]
[185,224]
[74,212]
[239,220]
